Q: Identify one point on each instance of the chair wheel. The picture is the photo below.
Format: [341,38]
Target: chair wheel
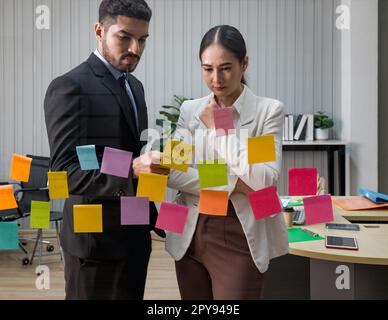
[24,243]
[50,248]
[26,261]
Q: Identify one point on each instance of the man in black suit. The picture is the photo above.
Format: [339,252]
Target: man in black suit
[100,103]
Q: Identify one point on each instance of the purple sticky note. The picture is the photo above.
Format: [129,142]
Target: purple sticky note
[302,181]
[318,209]
[116,162]
[135,211]
[172,217]
[223,120]
[265,202]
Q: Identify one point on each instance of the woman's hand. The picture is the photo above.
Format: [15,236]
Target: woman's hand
[242,187]
[207,115]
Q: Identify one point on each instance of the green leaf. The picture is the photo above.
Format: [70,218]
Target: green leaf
[171,107]
[171,117]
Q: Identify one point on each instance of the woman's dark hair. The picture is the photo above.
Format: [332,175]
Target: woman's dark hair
[110,9]
[228,37]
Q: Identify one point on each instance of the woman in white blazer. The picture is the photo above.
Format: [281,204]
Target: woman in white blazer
[226,257]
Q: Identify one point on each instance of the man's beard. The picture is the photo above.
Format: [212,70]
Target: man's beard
[116,64]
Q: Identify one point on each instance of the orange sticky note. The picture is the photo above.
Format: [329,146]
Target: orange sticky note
[261,149]
[7,199]
[87,218]
[152,185]
[20,168]
[213,202]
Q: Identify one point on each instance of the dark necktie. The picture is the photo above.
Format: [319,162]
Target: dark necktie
[123,83]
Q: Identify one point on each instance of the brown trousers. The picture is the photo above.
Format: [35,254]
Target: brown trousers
[218,264]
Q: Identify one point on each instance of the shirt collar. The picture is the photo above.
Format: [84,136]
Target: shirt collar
[239,103]
[116,73]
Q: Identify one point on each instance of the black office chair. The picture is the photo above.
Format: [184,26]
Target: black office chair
[36,190]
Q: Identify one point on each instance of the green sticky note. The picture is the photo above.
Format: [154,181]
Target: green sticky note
[9,235]
[40,215]
[212,174]
[298,235]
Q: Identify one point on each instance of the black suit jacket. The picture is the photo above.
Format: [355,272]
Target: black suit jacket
[87,106]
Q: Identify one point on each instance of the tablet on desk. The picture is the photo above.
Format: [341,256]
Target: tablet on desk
[341,242]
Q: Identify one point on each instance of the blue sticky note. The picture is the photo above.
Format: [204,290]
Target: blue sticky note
[9,236]
[87,157]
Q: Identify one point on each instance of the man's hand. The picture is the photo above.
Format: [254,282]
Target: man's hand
[242,187]
[207,115]
[149,163]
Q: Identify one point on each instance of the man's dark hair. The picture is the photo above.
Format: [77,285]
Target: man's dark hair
[110,9]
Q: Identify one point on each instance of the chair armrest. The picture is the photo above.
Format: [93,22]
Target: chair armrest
[29,189]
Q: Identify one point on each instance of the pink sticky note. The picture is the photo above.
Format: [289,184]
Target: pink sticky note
[223,120]
[172,217]
[264,202]
[302,181]
[116,162]
[135,211]
[318,209]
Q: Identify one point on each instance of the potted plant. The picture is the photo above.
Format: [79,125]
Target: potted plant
[322,124]
[168,123]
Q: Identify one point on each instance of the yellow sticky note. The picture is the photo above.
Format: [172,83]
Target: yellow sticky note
[20,168]
[261,149]
[58,187]
[40,215]
[152,185]
[87,218]
[7,199]
[177,155]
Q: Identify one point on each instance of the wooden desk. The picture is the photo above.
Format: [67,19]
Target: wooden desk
[330,146]
[311,271]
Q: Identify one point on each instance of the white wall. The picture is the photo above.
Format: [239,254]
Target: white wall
[360,93]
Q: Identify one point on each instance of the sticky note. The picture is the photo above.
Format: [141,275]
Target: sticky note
[40,215]
[264,202]
[9,235]
[58,186]
[7,199]
[177,155]
[20,168]
[116,162]
[302,181]
[261,149]
[87,218]
[172,217]
[135,211]
[318,209]
[223,121]
[213,202]
[152,185]
[212,174]
[87,157]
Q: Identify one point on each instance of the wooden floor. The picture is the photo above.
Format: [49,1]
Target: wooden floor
[17,282]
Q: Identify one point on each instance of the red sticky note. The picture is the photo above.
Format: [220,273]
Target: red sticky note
[264,202]
[302,181]
[172,217]
[223,120]
[318,209]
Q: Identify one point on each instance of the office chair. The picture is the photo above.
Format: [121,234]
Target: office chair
[36,190]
